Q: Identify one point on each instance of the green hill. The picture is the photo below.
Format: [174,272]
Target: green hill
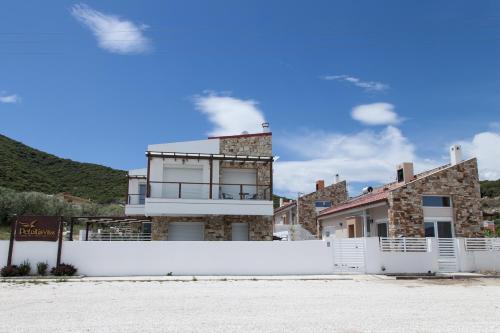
[23,168]
[490,188]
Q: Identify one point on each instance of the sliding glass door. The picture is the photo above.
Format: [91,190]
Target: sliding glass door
[438,228]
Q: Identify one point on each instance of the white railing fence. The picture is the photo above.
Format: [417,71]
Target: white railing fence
[405,244]
[482,244]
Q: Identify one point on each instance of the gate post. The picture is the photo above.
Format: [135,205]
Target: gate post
[11,241]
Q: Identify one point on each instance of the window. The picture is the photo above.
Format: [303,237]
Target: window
[441,229]
[436,201]
[323,204]
[429,229]
[142,193]
[382,229]
[146,227]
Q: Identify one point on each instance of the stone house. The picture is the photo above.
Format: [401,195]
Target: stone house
[214,189]
[304,213]
[443,202]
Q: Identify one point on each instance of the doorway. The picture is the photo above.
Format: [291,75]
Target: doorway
[438,228]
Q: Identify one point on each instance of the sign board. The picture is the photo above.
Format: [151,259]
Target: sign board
[37,228]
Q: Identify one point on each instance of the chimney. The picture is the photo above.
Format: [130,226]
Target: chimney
[405,172]
[455,154]
[320,184]
[265,127]
[336,179]
[281,202]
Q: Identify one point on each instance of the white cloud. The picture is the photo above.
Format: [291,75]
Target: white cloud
[230,115]
[113,33]
[369,86]
[376,114]
[485,146]
[9,99]
[364,158]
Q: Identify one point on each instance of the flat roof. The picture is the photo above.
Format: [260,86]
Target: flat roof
[240,135]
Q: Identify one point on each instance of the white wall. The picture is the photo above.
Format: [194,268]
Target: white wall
[35,252]
[399,262]
[184,258]
[209,146]
[481,261]
[232,258]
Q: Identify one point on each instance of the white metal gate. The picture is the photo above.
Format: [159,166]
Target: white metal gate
[349,255]
[447,260]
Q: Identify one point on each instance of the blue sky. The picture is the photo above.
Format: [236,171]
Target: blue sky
[349,87]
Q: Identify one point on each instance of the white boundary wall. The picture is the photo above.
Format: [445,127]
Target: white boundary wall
[236,258]
[181,258]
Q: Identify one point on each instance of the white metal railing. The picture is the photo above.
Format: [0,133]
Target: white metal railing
[405,244]
[482,244]
[113,236]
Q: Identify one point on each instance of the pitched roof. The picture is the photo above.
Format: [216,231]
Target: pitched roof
[357,202]
[379,194]
[285,206]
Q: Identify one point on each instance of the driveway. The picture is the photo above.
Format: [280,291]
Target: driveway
[359,305]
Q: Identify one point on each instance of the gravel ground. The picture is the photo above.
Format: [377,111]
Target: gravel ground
[359,305]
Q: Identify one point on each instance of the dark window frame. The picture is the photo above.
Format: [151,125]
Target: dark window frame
[439,201]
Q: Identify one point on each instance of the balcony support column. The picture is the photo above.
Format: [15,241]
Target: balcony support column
[211,163]
[148,185]
[271,180]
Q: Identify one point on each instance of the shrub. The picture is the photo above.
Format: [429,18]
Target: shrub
[24,268]
[64,270]
[41,268]
[11,270]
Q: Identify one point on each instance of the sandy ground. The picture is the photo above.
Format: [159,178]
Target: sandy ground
[360,305]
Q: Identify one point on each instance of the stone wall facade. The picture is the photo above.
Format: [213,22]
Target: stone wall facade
[252,145]
[336,193]
[217,227]
[461,182]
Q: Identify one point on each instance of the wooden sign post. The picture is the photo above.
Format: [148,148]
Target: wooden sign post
[36,229]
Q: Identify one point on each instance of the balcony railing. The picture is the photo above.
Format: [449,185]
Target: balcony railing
[190,190]
[136,199]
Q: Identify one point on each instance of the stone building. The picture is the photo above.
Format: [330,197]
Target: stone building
[443,202]
[214,189]
[309,205]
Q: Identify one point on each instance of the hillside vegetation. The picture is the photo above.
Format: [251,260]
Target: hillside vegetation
[23,168]
[490,188]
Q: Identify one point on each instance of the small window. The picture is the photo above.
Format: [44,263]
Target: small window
[146,227]
[382,229]
[323,204]
[435,201]
[429,229]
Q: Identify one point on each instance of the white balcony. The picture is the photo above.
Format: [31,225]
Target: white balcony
[179,207]
[135,204]
[181,198]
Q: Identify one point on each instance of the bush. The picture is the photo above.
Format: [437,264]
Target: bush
[64,270]
[41,268]
[11,270]
[24,268]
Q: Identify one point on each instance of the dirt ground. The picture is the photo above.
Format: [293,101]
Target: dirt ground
[358,305]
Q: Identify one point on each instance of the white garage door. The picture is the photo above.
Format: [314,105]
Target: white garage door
[240,232]
[185,231]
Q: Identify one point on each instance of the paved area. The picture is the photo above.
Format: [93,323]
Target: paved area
[361,304]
